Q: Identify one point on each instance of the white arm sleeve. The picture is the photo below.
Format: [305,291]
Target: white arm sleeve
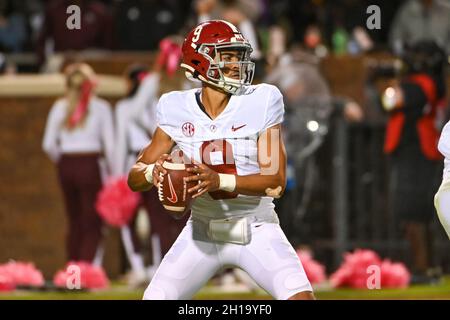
[121,147]
[148,118]
[161,120]
[50,143]
[274,110]
[107,136]
[145,96]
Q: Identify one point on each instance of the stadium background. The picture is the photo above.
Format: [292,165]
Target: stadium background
[349,206]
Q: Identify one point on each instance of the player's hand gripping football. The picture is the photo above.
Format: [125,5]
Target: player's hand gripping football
[208,179]
[158,168]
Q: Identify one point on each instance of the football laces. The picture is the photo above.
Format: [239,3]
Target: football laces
[160,189]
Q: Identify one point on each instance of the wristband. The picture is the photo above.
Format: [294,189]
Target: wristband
[227,182]
[148,173]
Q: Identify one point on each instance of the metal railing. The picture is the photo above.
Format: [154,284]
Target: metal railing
[349,205]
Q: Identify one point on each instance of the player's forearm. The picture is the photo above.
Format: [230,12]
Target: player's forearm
[140,176]
[258,185]
[136,178]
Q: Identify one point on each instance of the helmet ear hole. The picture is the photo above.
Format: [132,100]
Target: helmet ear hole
[204,49]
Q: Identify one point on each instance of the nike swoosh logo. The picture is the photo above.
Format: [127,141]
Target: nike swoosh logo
[237,128]
[173,195]
[220,41]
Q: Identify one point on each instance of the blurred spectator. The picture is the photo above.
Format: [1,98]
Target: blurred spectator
[136,123]
[299,78]
[252,8]
[276,45]
[132,137]
[6,67]
[301,14]
[35,11]
[421,20]
[233,11]
[95,32]
[411,143]
[2,63]
[141,24]
[78,133]
[309,106]
[348,17]
[13,31]
[314,41]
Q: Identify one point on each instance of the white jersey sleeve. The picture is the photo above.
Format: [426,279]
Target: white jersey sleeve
[444,141]
[161,120]
[107,133]
[143,101]
[169,112]
[120,150]
[274,113]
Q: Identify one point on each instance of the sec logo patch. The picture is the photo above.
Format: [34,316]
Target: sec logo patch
[188,129]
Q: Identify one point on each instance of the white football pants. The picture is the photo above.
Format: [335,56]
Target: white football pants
[442,205]
[269,259]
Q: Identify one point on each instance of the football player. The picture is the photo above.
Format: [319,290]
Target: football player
[442,197]
[231,130]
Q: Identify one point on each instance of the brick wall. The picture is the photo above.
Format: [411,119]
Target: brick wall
[32,217]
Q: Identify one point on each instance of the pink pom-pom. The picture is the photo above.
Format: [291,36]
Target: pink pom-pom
[394,275]
[313,269]
[173,59]
[22,273]
[60,278]
[6,282]
[91,277]
[116,203]
[341,277]
[353,271]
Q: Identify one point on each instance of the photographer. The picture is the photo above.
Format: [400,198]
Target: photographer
[411,140]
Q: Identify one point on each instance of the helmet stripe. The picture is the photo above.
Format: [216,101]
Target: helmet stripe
[232,26]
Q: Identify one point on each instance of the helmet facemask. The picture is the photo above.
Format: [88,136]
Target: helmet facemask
[230,67]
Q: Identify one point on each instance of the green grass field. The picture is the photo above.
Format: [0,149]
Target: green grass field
[118,291]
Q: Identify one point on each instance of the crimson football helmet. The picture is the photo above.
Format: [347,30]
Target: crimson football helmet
[217,53]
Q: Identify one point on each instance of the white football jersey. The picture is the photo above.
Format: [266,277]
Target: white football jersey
[228,144]
[444,148]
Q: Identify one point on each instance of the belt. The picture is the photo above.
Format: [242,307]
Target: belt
[235,229]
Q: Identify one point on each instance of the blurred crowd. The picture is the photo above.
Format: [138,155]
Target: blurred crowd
[38,26]
[289,38]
